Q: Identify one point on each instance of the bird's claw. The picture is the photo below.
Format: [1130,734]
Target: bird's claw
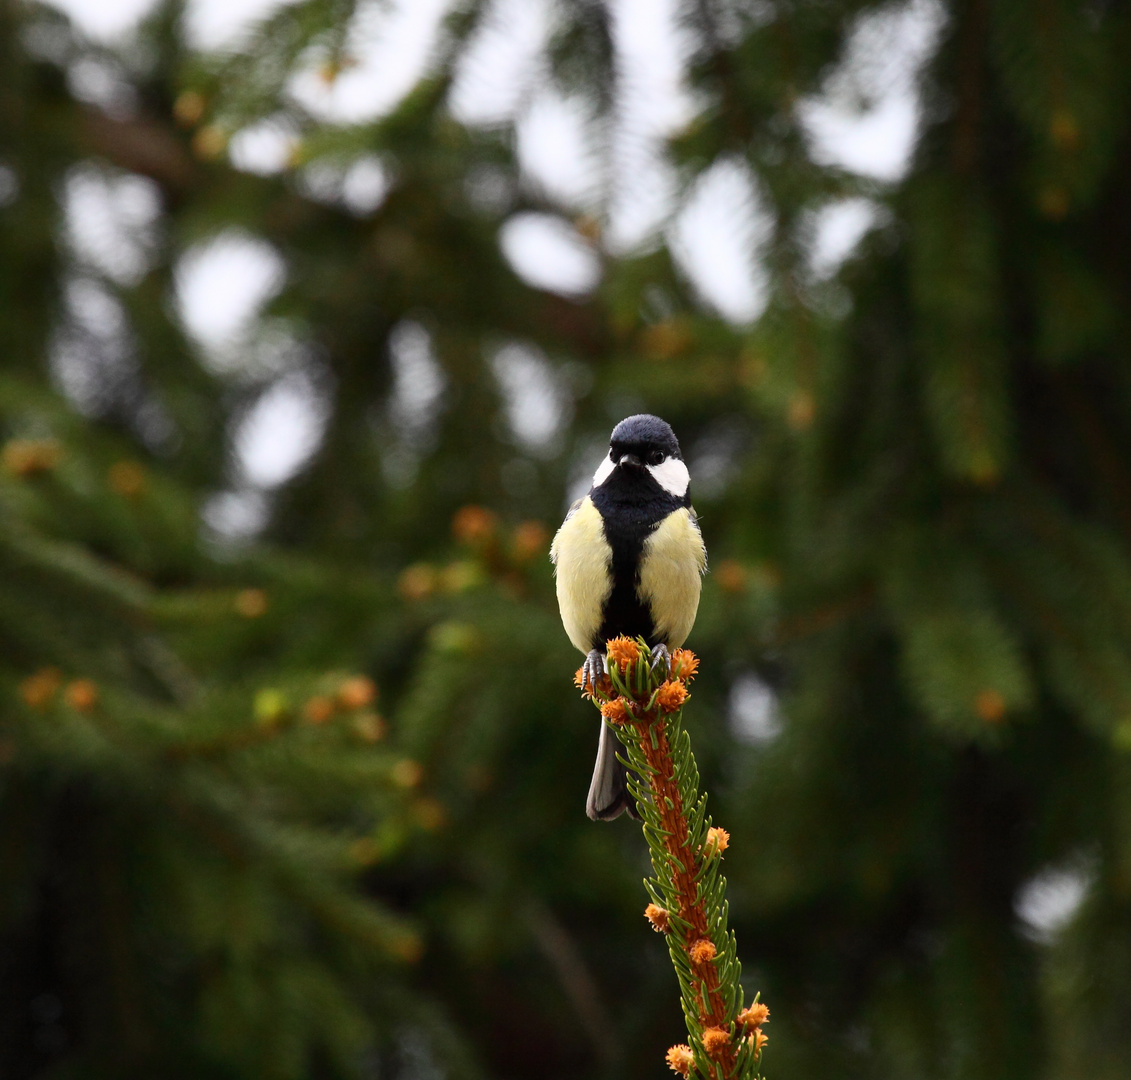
[660,653]
[593,670]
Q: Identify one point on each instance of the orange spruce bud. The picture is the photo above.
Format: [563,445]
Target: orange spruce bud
[604,684]
[1053,202]
[760,1039]
[318,710]
[369,726]
[126,478]
[365,851]
[189,107]
[1064,130]
[702,951]
[990,706]
[210,142]
[753,1017]
[407,773]
[615,711]
[37,690]
[671,695]
[460,576]
[588,227]
[680,1059]
[715,1041]
[666,339]
[82,695]
[417,582]
[474,525]
[407,947]
[731,576]
[430,813]
[659,917]
[29,457]
[357,692]
[531,538]
[684,665]
[623,651]
[250,603]
[718,840]
[802,409]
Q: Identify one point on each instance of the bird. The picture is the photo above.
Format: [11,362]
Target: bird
[629,559]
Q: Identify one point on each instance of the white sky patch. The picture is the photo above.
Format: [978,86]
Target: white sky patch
[867,117]
[502,64]
[99,82]
[105,21]
[547,253]
[715,240]
[264,148]
[555,151]
[415,400]
[653,103]
[837,229]
[753,710]
[322,181]
[221,286]
[389,45]
[360,186]
[9,185]
[365,184]
[713,458]
[1049,900]
[281,432]
[92,352]
[223,25]
[110,221]
[644,194]
[538,405]
[234,517]
[490,189]
[270,351]
[418,381]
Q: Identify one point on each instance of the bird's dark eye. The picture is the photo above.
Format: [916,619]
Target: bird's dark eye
[656,457]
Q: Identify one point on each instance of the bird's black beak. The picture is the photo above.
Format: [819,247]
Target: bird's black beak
[630,461]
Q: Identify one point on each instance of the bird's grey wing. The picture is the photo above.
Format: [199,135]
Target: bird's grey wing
[695,524]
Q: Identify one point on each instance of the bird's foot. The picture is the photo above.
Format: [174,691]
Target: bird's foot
[593,670]
[660,654]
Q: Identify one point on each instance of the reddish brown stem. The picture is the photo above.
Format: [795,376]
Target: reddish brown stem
[685,865]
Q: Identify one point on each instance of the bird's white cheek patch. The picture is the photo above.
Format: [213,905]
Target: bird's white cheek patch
[672,476]
[604,470]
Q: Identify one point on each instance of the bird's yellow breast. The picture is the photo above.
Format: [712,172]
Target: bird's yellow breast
[670,567]
[583,568]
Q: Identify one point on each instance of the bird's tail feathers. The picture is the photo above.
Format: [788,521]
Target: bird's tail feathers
[608,790]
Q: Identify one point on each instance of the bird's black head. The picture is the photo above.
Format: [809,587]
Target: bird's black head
[648,438]
[644,460]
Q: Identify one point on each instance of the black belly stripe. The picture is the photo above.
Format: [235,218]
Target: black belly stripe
[628,522]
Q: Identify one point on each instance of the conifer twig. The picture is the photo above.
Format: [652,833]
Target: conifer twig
[644,706]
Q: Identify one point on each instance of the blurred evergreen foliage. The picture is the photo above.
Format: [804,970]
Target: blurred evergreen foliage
[222,857]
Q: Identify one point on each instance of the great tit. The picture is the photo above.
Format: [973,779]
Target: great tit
[628,560]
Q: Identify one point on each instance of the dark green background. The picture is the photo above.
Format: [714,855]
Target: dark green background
[922,543]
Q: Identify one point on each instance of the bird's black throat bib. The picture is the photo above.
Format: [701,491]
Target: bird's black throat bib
[631,505]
